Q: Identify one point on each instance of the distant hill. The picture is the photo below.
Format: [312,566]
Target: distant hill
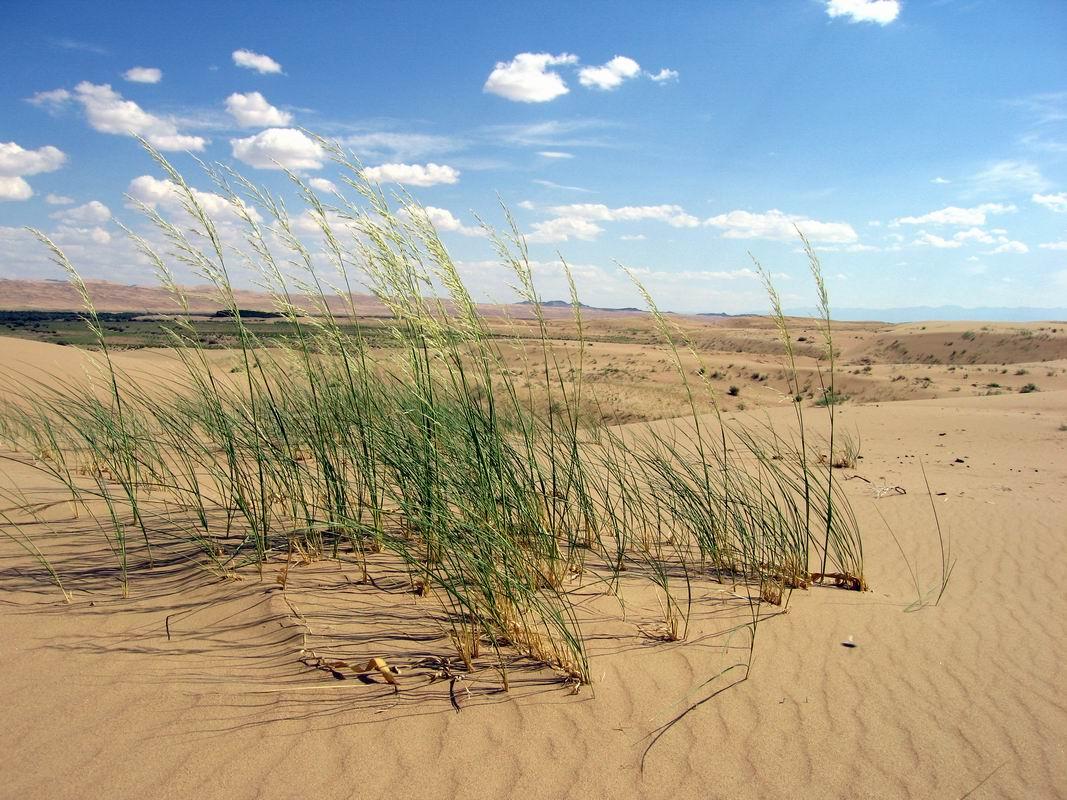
[567,304]
[939,313]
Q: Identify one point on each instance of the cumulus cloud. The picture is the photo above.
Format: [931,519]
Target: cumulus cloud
[279,148]
[165,194]
[252,110]
[1053,202]
[775,224]
[107,111]
[444,220]
[16,162]
[933,240]
[412,174]
[322,185]
[956,216]
[563,229]
[66,235]
[58,200]
[12,187]
[264,65]
[881,12]
[974,235]
[143,75]
[1010,247]
[54,98]
[528,79]
[997,236]
[673,215]
[92,213]
[610,75]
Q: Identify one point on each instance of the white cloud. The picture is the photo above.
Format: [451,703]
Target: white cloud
[554,154]
[953,215]
[279,148]
[397,146]
[974,235]
[1053,246]
[1053,202]
[252,110]
[554,185]
[610,75]
[154,192]
[58,200]
[52,99]
[933,240]
[880,11]
[92,213]
[323,185]
[940,180]
[12,187]
[1010,176]
[143,75]
[675,216]
[1010,247]
[412,174]
[444,220]
[664,75]
[264,65]
[68,235]
[528,79]
[108,112]
[776,225]
[637,237]
[16,162]
[563,229]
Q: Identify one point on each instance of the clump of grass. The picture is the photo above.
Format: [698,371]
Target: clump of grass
[489,487]
[828,399]
[1028,388]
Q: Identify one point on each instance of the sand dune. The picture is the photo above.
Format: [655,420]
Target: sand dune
[962,697]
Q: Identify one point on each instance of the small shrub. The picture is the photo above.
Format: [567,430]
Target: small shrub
[830,399]
[1030,387]
[733,391]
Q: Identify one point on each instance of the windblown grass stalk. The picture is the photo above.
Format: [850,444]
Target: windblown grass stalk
[495,496]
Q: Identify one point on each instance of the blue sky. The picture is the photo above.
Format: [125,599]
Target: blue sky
[921,145]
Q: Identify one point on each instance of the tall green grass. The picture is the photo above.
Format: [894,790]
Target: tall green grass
[490,486]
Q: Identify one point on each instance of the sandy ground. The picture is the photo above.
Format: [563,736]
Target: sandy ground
[194,687]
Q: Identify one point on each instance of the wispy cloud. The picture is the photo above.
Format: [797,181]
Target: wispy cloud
[552,133]
[83,47]
[560,186]
[1009,177]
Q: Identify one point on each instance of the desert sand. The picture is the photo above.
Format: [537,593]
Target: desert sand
[196,687]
